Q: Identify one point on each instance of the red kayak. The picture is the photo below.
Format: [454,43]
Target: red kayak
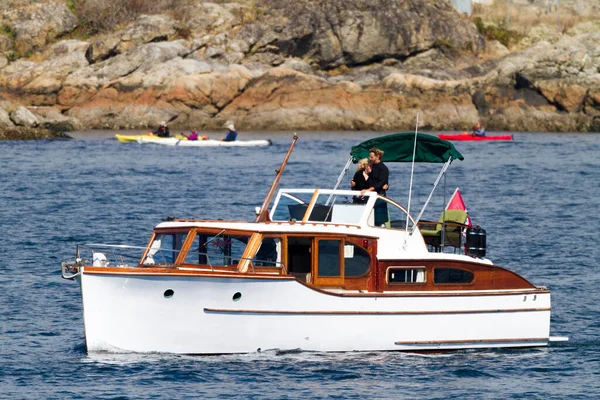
[468,136]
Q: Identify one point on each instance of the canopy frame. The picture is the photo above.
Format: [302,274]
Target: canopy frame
[431,150]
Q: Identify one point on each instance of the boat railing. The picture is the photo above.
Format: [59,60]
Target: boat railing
[125,256]
[102,255]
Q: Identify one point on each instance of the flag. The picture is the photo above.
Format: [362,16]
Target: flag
[456,203]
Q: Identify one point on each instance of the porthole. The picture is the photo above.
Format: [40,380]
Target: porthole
[237,296]
[169,293]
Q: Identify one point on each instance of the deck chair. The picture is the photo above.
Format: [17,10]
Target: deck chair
[454,222]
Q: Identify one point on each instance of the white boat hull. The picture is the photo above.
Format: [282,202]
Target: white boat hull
[129,313]
[204,143]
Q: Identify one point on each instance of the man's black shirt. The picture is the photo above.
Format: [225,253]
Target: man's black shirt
[379,177]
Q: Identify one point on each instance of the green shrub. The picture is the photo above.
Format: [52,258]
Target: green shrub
[499,33]
[445,45]
[9,31]
[71,6]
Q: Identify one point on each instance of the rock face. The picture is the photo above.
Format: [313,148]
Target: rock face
[354,32]
[146,29]
[291,65]
[35,24]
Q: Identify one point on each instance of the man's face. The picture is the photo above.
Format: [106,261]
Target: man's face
[372,157]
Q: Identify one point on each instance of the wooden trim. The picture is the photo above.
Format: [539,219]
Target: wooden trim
[147,249]
[310,207]
[249,251]
[185,245]
[521,340]
[186,273]
[486,277]
[233,274]
[286,312]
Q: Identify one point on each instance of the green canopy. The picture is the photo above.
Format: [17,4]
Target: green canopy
[399,148]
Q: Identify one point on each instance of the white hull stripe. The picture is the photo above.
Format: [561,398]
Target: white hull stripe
[470,342]
[283,312]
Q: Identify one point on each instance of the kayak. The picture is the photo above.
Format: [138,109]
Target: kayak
[203,143]
[468,136]
[133,138]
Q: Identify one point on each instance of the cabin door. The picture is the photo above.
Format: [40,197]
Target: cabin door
[299,257]
[329,262]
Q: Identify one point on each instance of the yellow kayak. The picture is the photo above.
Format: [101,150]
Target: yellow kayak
[134,138]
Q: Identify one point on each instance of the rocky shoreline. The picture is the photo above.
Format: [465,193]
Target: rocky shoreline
[294,65]
[24,133]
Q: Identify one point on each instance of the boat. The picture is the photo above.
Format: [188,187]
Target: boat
[203,143]
[469,136]
[314,272]
[134,138]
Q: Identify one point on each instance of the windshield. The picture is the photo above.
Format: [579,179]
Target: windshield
[165,248]
[218,248]
[288,206]
[338,206]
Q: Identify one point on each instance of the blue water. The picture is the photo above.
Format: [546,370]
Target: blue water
[538,198]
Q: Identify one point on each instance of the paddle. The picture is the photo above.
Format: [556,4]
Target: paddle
[173,118]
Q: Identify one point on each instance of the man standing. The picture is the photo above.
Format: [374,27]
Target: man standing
[378,178]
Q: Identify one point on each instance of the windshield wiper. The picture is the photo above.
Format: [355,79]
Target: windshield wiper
[213,238]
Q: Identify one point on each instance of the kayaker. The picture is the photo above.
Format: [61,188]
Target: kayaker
[231,135]
[192,136]
[478,130]
[163,130]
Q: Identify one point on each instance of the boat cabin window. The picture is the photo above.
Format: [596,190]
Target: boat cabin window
[329,258]
[216,248]
[269,253]
[405,275]
[451,276]
[165,248]
[356,260]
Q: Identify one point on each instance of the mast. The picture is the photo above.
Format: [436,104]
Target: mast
[263,214]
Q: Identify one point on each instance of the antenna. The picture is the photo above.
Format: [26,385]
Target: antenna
[412,171]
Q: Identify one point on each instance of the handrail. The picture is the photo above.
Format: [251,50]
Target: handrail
[68,268]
